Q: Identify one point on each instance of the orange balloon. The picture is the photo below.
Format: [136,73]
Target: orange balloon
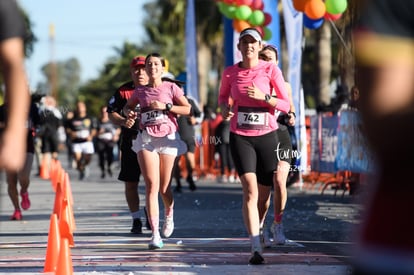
[315,9]
[240,25]
[299,5]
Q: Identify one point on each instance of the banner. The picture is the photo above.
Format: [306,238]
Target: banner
[328,143]
[294,34]
[191,52]
[353,153]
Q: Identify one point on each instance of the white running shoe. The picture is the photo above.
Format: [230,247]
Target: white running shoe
[156,243]
[278,235]
[168,227]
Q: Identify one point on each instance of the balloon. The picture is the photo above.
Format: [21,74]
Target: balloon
[257,5]
[228,11]
[268,18]
[239,25]
[336,6]
[299,5]
[315,9]
[332,17]
[267,34]
[312,23]
[256,18]
[243,2]
[243,12]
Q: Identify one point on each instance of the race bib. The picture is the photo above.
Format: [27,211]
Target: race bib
[252,118]
[153,117]
[82,134]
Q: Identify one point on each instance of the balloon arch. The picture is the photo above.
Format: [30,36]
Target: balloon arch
[251,13]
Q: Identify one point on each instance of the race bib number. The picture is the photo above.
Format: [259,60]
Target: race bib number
[82,134]
[153,117]
[252,118]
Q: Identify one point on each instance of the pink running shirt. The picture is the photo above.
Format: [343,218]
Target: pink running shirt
[253,117]
[157,123]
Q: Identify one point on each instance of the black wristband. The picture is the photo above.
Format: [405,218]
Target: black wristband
[293,113]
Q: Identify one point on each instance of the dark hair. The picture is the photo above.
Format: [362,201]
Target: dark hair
[156,55]
[271,48]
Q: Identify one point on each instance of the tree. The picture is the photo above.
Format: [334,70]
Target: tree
[68,80]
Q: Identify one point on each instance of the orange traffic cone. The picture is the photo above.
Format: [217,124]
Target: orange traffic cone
[67,194]
[58,200]
[44,169]
[53,245]
[68,189]
[55,170]
[65,224]
[64,266]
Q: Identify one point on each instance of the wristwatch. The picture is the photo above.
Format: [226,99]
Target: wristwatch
[293,113]
[168,106]
[267,98]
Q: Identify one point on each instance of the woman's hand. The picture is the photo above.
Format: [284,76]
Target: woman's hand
[226,111]
[255,93]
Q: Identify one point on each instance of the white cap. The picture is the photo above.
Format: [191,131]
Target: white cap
[252,32]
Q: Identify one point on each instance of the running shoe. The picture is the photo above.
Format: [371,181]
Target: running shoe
[168,226]
[256,258]
[278,235]
[265,238]
[25,203]
[136,226]
[191,182]
[17,215]
[156,243]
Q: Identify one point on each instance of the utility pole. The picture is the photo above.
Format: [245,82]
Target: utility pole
[53,68]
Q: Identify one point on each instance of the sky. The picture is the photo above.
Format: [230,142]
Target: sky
[85,29]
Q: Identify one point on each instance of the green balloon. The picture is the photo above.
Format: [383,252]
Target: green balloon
[267,34]
[256,18]
[227,10]
[243,12]
[336,6]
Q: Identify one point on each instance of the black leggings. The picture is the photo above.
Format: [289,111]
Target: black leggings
[255,154]
[226,160]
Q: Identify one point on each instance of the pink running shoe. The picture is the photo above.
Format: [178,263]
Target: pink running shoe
[25,201]
[17,215]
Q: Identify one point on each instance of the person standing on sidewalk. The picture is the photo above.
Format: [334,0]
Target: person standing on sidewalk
[130,171]
[12,32]
[158,142]
[284,154]
[253,126]
[21,176]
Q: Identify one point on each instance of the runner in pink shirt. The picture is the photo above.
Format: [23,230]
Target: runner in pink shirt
[158,142]
[248,86]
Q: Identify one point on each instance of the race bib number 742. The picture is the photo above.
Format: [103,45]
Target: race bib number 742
[253,118]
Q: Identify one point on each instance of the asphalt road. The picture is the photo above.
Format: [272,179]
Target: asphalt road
[209,236]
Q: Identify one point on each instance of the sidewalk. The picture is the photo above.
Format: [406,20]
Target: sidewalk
[209,236]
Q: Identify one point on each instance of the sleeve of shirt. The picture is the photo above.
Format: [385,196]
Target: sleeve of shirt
[278,83]
[113,105]
[225,88]
[177,92]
